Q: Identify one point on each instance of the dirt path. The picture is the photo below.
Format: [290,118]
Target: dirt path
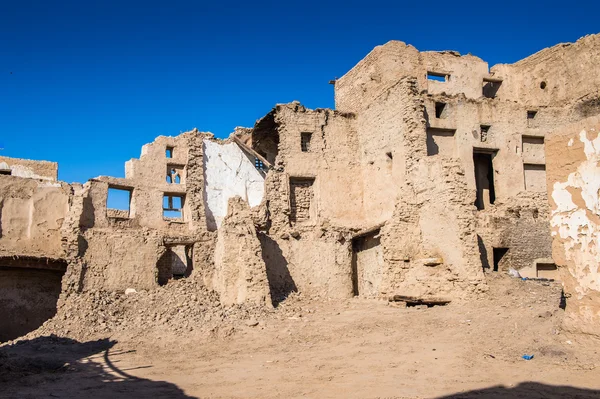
[355,349]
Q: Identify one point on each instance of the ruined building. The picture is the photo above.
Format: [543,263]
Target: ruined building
[429,174]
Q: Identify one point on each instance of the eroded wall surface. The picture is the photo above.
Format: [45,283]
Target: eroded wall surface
[240,272]
[32,212]
[574,189]
[431,166]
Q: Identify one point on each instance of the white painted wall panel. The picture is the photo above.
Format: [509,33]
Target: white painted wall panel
[229,173]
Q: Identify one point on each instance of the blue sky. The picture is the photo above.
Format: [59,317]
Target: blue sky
[87,83]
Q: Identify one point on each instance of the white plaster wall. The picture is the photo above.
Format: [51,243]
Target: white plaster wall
[229,173]
[576,223]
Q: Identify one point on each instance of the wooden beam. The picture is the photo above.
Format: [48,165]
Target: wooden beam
[250,151]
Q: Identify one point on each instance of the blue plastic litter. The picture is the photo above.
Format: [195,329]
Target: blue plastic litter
[527,357]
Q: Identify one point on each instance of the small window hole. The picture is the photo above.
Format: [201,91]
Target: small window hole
[440,110]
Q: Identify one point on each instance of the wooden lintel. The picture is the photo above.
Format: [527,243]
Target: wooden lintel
[249,150]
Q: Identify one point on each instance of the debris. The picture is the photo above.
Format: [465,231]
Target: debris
[514,273]
[252,323]
[527,357]
[433,261]
[129,291]
[415,301]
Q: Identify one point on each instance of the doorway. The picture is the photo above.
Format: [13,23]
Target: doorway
[484,177]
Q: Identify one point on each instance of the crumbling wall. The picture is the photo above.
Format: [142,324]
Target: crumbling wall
[330,160]
[521,225]
[31,216]
[574,187]
[312,199]
[382,154]
[386,64]
[429,244]
[240,272]
[28,168]
[139,246]
[554,76]
[117,260]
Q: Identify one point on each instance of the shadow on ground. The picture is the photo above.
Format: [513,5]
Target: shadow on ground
[61,368]
[529,390]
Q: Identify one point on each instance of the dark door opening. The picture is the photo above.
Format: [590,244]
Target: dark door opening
[175,263]
[498,255]
[28,297]
[484,178]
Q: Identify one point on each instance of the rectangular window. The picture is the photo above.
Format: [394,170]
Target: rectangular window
[440,110]
[530,118]
[438,76]
[258,164]
[169,152]
[118,202]
[491,87]
[173,206]
[305,141]
[484,129]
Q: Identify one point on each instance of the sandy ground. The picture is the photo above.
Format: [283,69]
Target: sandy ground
[331,349]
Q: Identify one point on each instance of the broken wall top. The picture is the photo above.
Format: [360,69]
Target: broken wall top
[554,76]
[29,168]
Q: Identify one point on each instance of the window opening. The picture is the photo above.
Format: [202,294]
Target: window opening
[440,110]
[305,141]
[173,206]
[438,76]
[118,202]
[169,152]
[484,177]
[174,174]
[491,87]
[498,255]
[530,117]
[258,164]
[484,129]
